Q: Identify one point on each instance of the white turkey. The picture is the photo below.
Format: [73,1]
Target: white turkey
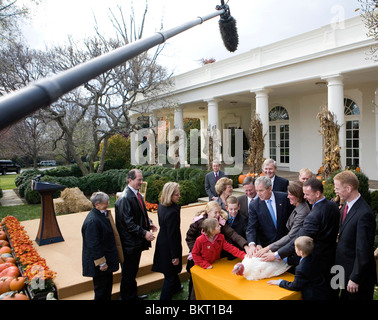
[256,269]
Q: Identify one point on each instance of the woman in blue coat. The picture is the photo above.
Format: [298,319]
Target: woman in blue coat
[168,251]
[99,256]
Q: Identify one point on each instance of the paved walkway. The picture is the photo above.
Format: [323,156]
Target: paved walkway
[10,198]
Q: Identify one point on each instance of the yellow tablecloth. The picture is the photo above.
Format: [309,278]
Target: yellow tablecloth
[219,283]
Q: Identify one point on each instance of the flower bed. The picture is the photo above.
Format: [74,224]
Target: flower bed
[151,207]
[38,276]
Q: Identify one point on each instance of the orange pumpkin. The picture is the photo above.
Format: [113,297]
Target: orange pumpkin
[7,259]
[241,178]
[6,265]
[5,249]
[3,235]
[16,296]
[17,284]
[4,284]
[11,271]
[4,243]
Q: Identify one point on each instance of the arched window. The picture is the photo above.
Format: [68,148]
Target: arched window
[351,108]
[278,114]
[279,136]
[352,122]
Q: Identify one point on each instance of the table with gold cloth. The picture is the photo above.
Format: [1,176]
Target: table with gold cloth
[219,283]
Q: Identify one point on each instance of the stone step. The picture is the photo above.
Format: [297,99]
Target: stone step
[146,282]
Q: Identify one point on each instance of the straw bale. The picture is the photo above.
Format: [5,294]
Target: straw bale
[60,206]
[74,201]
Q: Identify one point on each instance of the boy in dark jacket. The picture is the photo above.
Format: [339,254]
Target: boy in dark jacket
[308,278]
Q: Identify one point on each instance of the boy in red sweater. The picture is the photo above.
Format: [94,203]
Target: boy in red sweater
[209,245]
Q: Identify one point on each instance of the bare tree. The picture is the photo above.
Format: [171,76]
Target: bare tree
[18,67]
[106,101]
[369,14]
[11,12]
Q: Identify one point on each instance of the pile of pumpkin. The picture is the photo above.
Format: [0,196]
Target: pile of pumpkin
[11,283]
[18,253]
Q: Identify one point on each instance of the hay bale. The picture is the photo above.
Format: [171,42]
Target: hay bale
[74,200]
[59,206]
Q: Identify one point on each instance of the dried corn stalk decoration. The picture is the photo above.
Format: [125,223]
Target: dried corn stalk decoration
[331,148]
[256,141]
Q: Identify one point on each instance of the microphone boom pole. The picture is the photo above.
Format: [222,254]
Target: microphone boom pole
[21,103]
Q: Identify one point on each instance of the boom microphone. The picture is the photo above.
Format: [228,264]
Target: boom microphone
[228,29]
[42,93]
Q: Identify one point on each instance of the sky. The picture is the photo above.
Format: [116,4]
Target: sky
[259,22]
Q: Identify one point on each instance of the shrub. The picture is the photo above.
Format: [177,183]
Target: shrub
[189,192]
[26,175]
[31,196]
[198,178]
[363,187]
[94,182]
[121,181]
[374,202]
[155,184]
[1,193]
[59,172]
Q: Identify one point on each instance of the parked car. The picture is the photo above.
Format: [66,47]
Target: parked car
[47,163]
[9,166]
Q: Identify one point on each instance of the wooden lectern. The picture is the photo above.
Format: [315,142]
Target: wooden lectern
[48,231]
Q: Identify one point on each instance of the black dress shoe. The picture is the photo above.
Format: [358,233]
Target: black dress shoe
[142,297]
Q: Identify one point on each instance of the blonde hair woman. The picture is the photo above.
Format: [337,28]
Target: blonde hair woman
[168,251]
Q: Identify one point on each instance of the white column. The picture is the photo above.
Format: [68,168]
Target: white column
[213,125]
[336,106]
[179,125]
[262,109]
[213,112]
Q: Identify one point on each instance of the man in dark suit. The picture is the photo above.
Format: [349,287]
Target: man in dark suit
[211,179]
[250,195]
[268,215]
[321,224]
[355,247]
[134,228]
[278,183]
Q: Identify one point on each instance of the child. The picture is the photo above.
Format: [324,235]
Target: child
[308,278]
[209,245]
[237,221]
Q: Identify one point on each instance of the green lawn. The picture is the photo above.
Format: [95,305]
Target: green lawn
[7,181]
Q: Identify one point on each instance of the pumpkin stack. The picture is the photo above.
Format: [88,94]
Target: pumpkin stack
[11,283]
[36,276]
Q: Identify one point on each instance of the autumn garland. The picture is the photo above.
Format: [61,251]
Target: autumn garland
[32,264]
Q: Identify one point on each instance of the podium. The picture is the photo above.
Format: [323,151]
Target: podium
[48,231]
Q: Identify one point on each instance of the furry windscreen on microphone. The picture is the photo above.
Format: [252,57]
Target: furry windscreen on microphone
[229,33]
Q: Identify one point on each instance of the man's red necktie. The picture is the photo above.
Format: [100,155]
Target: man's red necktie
[140,200]
[141,203]
[344,213]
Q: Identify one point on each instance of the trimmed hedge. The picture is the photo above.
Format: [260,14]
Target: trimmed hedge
[191,180]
